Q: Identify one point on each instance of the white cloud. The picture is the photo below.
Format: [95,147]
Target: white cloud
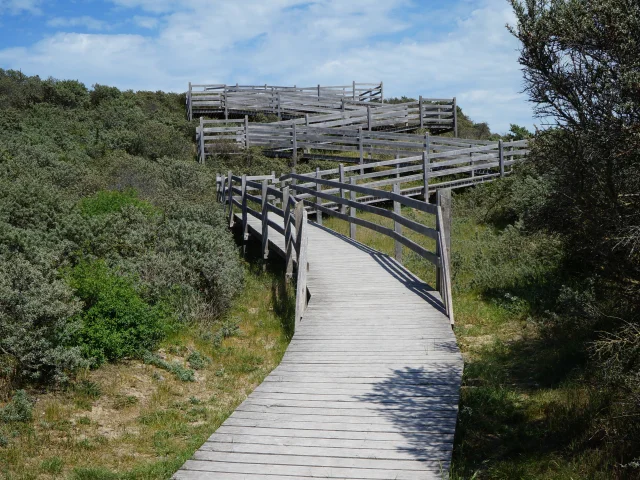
[303,43]
[87,22]
[145,22]
[18,6]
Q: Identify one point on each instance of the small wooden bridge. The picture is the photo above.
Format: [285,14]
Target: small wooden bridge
[368,388]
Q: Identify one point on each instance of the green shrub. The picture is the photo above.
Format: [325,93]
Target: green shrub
[37,320]
[19,409]
[116,321]
[113,201]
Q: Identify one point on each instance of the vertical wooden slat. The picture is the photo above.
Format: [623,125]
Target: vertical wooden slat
[226,109]
[265,216]
[230,184]
[426,171]
[445,269]
[246,131]
[352,210]
[343,208]
[381,93]
[295,146]
[420,112]
[318,199]
[354,90]
[303,266]
[202,151]
[443,200]
[361,150]
[245,223]
[501,157]
[189,104]
[455,118]
[288,234]
[396,226]
[368,117]
[278,100]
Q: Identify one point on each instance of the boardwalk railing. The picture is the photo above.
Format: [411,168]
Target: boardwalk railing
[432,170]
[240,192]
[220,97]
[354,106]
[335,198]
[338,143]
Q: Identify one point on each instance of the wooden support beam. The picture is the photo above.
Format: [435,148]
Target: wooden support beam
[501,157]
[318,199]
[265,218]
[201,142]
[303,264]
[245,223]
[343,207]
[230,199]
[294,153]
[397,227]
[352,210]
[426,172]
[455,118]
[420,112]
[288,234]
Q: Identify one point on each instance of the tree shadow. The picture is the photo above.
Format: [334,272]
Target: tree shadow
[422,403]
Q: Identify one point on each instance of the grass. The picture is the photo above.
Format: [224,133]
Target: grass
[525,408]
[133,420]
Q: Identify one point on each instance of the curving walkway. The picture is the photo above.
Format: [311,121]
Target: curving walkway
[368,388]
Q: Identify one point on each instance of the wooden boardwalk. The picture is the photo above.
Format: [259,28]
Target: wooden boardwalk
[368,388]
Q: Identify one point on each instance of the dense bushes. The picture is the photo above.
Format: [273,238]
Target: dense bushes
[109,231]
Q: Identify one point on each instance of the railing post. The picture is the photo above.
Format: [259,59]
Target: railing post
[342,106]
[361,150]
[303,266]
[202,152]
[352,210]
[420,112]
[245,223]
[226,108]
[318,93]
[265,224]
[443,277]
[443,200]
[189,104]
[288,245]
[381,93]
[343,207]
[318,199]
[246,132]
[278,100]
[455,118]
[306,119]
[294,153]
[426,170]
[501,157]
[397,227]
[368,117]
[230,186]
[354,90]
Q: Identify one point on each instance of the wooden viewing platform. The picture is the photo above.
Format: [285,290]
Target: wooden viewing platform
[369,385]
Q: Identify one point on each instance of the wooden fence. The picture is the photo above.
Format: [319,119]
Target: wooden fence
[342,200]
[203,99]
[313,140]
[336,106]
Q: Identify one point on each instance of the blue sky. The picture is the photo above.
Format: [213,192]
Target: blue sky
[417,47]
